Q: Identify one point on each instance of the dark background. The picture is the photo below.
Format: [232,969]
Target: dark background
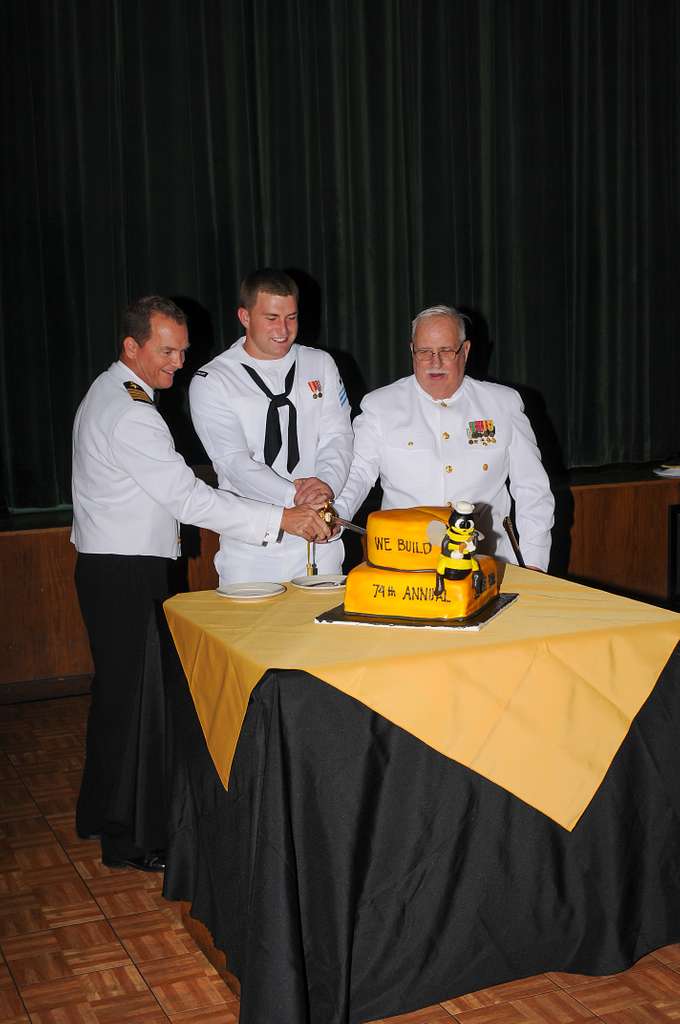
[519,158]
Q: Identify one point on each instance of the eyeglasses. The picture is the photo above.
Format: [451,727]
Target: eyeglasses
[426,355]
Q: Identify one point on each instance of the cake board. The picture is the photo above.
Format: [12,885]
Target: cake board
[472,624]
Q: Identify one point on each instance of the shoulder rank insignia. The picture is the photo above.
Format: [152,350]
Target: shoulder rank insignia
[315,387]
[481,432]
[137,392]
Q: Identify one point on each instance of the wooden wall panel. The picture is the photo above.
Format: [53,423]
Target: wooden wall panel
[619,536]
[41,633]
[201,572]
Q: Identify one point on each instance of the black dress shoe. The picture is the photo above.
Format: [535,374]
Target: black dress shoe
[147,862]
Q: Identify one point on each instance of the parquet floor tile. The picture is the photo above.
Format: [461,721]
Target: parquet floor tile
[21,915]
[12,883]
[7,771]
[39,855]
[227,1014]
[428,1015]
[124,898]
[138,1009]
[511,990]
[570,981]
[62,802]
[547,1008]
[152,936]
[64,952]
[63,831]
[34,749]
[17,738]
[650,982]
[69,758]
[185,982]
[54,1001]
[645,1013]
[114,984]
[35,958]
[86,859]
[11,1007]
[16,801]
[63,897]
[45,781]
[84,944]
[20,832]
[669,955]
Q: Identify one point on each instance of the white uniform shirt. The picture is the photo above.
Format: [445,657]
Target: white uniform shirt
[131,487]
[229,413]
[468,447]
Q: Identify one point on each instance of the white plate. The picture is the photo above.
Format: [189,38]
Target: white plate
[251,591]
[327,581]
[666,472]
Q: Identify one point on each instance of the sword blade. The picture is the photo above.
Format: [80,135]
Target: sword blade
[337,520]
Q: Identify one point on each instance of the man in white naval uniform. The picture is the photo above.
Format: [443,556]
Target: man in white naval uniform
[438,436]
[274,418]
[131,489]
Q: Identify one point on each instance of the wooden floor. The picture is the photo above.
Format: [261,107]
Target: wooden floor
[80,943]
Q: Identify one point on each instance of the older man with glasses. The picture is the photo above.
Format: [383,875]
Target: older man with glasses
[438,436]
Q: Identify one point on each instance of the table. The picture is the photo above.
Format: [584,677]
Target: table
[352,871]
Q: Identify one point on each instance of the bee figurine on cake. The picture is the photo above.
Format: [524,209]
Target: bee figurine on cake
[458,546]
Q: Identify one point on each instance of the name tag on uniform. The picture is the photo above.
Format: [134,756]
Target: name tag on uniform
[481,432]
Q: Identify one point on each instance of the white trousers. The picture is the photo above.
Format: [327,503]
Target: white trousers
[275,563]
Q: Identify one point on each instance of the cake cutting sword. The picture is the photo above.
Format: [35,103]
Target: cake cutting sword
[330,516]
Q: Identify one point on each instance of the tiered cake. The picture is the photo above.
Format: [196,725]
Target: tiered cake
[399,579]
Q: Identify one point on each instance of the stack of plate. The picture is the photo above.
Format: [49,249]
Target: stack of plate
[669,469]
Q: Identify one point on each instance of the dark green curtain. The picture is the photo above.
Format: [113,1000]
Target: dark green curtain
[519,158]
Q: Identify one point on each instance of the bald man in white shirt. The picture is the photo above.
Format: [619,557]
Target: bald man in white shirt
[131,490]
[438,436]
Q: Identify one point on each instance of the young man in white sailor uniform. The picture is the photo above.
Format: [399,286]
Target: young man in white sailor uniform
[131,489]
[438,436]
[274,418]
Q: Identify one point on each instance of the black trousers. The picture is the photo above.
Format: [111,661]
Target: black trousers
[122,795]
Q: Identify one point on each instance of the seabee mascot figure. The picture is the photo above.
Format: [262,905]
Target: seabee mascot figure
[458,546]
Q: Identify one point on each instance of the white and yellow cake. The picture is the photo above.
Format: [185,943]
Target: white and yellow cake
[398,579]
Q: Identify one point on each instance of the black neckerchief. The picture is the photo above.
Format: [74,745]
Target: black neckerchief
[272,430]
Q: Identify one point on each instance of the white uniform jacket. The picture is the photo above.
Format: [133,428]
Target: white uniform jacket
[131,487]
[468,447]
[229,413]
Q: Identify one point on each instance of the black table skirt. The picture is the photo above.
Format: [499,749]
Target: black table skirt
[351,872]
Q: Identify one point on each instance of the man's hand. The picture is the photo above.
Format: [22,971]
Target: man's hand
[310,490]
[304,521]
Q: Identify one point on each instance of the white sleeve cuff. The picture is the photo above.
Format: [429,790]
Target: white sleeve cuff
[272,530]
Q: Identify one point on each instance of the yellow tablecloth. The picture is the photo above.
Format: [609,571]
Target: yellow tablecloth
[539,701]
